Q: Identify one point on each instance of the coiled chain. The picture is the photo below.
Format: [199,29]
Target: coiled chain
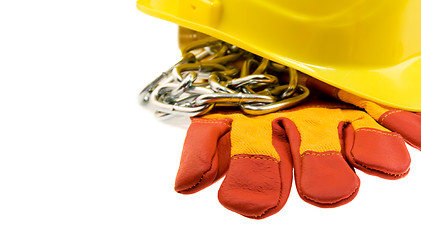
[213,73]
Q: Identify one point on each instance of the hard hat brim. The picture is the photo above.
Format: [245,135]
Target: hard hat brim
[397,86]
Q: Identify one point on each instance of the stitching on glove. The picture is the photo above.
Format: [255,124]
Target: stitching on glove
[202,120]
[198,182]
[320,154]
[380,131]
[240,156]
[380,171]
[382,118]
[333,203]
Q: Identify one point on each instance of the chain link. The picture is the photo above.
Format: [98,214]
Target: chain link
[213,73]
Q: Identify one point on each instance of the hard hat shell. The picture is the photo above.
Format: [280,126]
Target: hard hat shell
[368,48]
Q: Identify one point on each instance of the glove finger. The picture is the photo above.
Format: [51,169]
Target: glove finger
[323,177]
[405,123]
[258,185]
[205,156]
[375,150]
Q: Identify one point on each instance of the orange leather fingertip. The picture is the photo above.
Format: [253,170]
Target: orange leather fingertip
[377,152]
[323,179]
[258,186]
[326,180]
[205,156]
[253,186]
[405,123]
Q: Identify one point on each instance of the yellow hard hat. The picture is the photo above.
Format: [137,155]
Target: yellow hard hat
[369,48]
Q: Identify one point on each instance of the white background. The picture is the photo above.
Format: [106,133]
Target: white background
[80,159]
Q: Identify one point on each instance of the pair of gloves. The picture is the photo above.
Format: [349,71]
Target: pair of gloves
[320,142]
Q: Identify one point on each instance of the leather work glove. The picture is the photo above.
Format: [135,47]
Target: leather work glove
[407,124]
[323,141]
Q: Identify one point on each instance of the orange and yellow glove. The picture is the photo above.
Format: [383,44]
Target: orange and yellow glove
[323,141]
[407,124]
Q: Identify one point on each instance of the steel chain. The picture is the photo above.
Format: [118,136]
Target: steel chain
[213,73]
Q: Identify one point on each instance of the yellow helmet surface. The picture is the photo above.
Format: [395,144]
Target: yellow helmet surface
[368,48]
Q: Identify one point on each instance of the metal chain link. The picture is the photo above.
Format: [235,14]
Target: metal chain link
[213,73]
